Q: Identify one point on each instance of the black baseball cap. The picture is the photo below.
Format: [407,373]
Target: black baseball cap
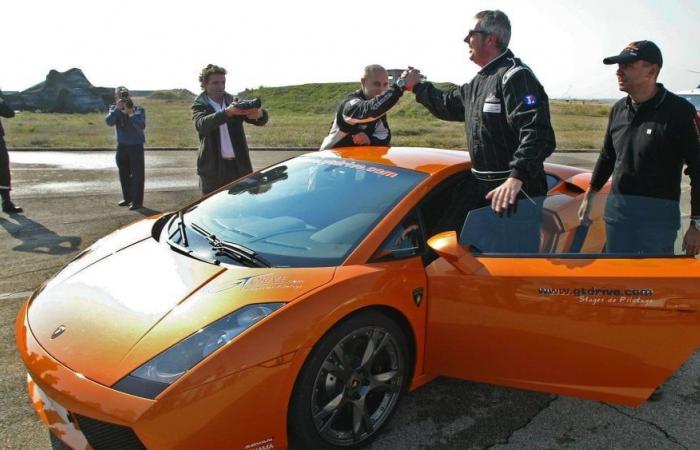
[637,51]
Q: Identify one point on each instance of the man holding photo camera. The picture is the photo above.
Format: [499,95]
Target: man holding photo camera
[130,122]
[218,118]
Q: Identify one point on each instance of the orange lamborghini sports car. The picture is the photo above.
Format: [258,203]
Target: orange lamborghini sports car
[295,306]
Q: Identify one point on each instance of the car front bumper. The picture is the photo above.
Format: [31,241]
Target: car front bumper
[246,409]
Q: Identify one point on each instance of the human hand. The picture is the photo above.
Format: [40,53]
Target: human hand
[503,197]
[360,139]
[691,241]
[254,114]
[412,76]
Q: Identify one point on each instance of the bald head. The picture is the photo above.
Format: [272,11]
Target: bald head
[375,80]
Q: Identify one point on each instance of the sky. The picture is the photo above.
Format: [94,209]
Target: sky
[150,44]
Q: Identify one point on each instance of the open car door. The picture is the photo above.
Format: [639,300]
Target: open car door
[603,326]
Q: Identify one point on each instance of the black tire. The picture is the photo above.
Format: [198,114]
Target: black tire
[348,388]
[56,443]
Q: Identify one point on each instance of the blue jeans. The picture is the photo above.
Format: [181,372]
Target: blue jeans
[636,238]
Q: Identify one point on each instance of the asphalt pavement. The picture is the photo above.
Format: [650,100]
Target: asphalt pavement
[70,201]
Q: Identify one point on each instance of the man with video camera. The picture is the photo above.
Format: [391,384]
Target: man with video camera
[218,118]
[129,120]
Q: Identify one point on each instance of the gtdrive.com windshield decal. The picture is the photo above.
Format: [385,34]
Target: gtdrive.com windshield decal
[354,165]
[605,296]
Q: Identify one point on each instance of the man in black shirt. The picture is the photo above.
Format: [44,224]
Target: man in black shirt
[361,117]
[506,117]
[651,134]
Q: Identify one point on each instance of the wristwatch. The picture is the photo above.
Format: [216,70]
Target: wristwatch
[695,222]
[401,83]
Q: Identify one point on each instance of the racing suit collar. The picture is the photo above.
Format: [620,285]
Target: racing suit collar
[495,61]
[360,93]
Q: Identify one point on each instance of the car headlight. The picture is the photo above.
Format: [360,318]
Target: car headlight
[153,377]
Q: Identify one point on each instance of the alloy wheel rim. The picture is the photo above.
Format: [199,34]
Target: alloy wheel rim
[357,386]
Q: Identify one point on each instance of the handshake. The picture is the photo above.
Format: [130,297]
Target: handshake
[411,77]
[251,109]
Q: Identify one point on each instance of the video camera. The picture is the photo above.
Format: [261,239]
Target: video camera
[253,103]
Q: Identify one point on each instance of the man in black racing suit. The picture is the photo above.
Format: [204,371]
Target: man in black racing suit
[361,117]
[507,122]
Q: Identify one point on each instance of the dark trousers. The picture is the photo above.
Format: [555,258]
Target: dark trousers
[4,171]
[625,237]
[130,161]
[229,170]
[514,232]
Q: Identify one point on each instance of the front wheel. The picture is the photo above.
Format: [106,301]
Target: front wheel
[350,385]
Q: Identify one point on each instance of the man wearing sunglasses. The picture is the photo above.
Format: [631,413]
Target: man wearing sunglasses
[361,117]
[505,111]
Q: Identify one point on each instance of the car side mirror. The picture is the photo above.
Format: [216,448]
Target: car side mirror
[447,246]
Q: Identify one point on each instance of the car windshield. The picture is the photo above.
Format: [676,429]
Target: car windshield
[620,226]
[306,212]
[692,98]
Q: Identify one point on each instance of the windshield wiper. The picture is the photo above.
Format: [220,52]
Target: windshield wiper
[186,251]
[182,229]
[182,246]
[235,251]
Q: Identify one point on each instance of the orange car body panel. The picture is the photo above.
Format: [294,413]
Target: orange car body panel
[615,344]
[479,318]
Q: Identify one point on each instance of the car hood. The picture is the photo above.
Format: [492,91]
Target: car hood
[131,297]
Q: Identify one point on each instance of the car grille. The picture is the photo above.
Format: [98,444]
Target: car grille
[107,436]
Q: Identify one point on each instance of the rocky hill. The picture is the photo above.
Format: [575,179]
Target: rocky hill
[66,92]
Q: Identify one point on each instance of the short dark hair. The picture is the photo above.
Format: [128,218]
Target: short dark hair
[495,22]
[208,71]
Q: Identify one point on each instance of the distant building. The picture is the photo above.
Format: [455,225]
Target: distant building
[395,74]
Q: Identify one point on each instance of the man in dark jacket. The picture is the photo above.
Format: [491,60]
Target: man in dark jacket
[223,150]
[129,121]
[652,133]
[5,186]
[361,117]
[505,111]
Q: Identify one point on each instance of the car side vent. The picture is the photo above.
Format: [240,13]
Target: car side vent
[574,188]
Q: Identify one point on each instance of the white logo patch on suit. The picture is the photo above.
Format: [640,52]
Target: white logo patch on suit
[492,104]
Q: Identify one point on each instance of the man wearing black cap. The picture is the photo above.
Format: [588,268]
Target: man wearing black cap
[652,133]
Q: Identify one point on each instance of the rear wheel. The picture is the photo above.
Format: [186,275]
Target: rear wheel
[350,385]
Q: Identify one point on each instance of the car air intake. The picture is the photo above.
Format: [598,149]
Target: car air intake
[108,436]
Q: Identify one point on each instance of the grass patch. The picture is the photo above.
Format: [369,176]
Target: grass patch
[299,116]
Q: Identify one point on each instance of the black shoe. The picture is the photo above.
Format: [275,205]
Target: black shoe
[135,206]
[124,203]
[10,208]
[657,394]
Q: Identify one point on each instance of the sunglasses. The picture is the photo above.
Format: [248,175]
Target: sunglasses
[472,32]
